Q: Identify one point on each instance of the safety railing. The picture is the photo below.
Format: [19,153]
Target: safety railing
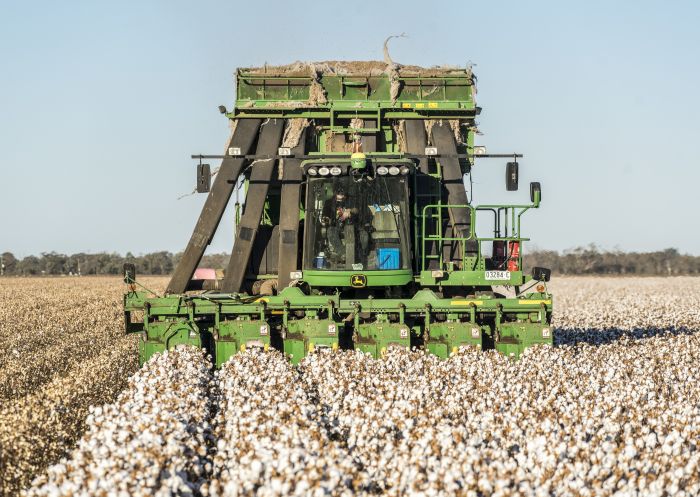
[507,224]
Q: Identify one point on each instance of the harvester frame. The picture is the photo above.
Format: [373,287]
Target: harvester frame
[426,280]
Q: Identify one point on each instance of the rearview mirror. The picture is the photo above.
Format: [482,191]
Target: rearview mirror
[203,178]
[541,273]
[512,176]
[535,192]
[129,272]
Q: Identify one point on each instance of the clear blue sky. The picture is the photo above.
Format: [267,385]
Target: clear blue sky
[102,103]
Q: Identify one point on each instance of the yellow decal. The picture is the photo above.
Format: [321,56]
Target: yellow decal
[467,302]
[358,281]
[406,106]
[420,106]
[277,312]
[262,299]
[433,105]
[535,302]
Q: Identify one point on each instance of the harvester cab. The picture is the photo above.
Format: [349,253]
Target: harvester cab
[356,230]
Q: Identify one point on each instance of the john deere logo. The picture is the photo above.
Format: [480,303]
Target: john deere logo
[358,281]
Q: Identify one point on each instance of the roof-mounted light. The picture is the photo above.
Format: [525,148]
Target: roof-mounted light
[394,171]
[324,171]
[312,171]
[479,150]
[404,170]
[336,171]
[382,170]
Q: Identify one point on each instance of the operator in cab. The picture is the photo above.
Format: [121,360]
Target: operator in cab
[340,217]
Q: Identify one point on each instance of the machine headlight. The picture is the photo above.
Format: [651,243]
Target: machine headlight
[263,329]
[324,171]
[394,171]
[296,275]
[476,332]
[405,170]
[546,332]
[335,171]
[234,151]
[479,150]
[312,171]
[331,329]
[382,170]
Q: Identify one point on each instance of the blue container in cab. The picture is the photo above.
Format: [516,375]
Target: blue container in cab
[388,258]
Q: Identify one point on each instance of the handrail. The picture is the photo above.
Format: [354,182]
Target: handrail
[513,234]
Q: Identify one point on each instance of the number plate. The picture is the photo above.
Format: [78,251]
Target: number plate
[497,275]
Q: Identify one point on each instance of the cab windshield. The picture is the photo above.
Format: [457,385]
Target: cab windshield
[357,225]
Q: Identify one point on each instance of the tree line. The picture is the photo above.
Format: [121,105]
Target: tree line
[592,260]
[581,260]
[53,263]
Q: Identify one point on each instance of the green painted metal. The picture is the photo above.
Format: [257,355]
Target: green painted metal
[446,338]
[419,96]
[438,303]
[303,336]
[340,279]
[233,335]
[514,338]
[379,334]
[168,321]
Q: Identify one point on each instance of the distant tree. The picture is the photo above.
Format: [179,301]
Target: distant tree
[30,265]
[591,260]
[215,261]
[580,260]
[9,264]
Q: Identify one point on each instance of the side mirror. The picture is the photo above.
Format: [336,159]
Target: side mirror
[203,178]
[129,273]
[512,176]
[541,273]
[535,193]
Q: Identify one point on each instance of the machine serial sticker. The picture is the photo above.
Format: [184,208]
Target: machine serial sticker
[497,275]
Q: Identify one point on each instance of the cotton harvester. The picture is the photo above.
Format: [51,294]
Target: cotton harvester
[356,231]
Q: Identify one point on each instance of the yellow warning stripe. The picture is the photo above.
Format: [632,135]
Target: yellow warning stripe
[467,302]
[536,302]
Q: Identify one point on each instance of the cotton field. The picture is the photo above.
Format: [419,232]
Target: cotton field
[612,409]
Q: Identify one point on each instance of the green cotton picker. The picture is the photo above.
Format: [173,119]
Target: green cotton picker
[357,231]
